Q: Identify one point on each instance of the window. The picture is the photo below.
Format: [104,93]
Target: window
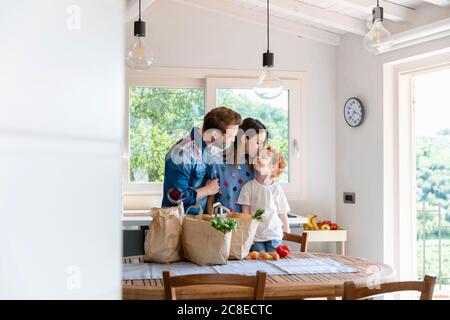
[165,104]
[159,117]
[273,113]
[432,153]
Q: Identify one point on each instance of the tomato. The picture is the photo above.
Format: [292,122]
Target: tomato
[283,250]
[254,255]
[275,256]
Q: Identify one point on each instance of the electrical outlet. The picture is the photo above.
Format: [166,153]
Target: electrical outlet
[349,197]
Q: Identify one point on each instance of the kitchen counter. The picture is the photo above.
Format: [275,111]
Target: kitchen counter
[135,219]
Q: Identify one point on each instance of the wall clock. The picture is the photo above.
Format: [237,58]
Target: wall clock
[354,112]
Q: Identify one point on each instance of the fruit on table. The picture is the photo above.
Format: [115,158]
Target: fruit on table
[312,223]
[275,256]
[283,250]
[265,256]
[325,227]
[254,255]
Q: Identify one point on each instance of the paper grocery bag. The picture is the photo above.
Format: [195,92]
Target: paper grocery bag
[163,241]
[202,243]
[242,238]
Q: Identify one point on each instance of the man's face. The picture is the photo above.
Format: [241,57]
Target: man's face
[230,136]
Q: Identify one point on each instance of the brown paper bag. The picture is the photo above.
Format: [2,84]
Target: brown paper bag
[163,241]
[202,243]
[242,238]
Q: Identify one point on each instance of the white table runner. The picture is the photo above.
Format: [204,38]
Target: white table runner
[246,267]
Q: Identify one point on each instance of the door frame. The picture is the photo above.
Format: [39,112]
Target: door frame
[399,174]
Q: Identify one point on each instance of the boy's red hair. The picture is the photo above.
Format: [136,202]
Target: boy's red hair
[277,159]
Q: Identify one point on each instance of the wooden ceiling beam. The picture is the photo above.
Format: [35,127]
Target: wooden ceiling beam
[392,11]
[259,18]
[313,14]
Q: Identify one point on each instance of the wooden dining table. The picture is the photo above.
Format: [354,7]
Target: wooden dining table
[295,286]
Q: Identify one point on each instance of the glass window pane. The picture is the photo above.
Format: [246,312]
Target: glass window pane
[273,113]
[432,146]
[159,117]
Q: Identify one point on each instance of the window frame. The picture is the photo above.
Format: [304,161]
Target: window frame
[149,188]
[209,80]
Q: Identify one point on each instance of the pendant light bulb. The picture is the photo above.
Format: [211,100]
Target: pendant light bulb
[139,57]
[268,85]
[378,38]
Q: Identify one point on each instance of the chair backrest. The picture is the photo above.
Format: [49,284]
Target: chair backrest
[425,287]
[258,282]
[302,239]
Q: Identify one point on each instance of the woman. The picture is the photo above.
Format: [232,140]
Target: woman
[236,168]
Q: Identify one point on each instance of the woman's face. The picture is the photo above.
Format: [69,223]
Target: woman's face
[254,143]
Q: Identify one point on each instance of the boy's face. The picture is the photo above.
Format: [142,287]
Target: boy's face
[264,163]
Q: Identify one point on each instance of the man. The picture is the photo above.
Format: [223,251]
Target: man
[185,173]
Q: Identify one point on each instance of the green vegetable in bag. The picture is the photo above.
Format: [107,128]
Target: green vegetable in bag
[258,215]
[224,225]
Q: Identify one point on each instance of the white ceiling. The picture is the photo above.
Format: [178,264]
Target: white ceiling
[321,20]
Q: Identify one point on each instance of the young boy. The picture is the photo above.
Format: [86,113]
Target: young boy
[264,192]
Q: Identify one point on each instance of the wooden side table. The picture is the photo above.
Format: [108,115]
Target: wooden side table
[339,236]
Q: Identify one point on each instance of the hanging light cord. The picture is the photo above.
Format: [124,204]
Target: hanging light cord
[378,4]
[268,17]
[139,10]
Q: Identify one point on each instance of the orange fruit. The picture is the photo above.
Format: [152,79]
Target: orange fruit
[275,256]
[254,255]
[265,256]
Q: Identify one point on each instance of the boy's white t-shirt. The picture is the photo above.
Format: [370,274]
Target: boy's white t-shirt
[272,199]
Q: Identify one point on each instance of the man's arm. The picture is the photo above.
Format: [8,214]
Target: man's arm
[177,188]
[211,188]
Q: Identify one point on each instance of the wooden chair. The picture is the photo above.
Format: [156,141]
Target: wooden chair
[425,287]
[258,282]
[301,239]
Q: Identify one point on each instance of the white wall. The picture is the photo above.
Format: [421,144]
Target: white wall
[359,151]
[61,116]
[182,36]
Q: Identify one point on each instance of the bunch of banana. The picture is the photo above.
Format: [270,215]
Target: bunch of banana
[312,223]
